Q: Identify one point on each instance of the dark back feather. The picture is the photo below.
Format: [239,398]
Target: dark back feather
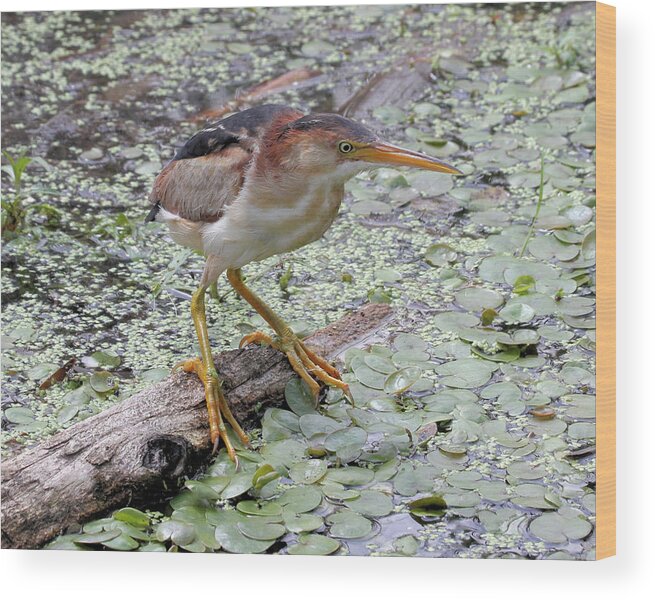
[207,173]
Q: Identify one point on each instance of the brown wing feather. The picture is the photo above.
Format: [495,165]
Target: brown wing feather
[207,173]
[198,189]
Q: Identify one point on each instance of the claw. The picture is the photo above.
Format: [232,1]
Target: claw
[305,362]
[257,337]
[217,407]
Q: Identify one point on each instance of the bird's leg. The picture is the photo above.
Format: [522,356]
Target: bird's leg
[306,363]
[204,368]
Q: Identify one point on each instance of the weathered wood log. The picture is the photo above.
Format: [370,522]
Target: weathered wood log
[137,452]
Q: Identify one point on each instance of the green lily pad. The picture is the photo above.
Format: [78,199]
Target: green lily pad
[298,397]
[465,372]
[264,475]
[239,484]
[132,516]
[558,529]
[232,539]
[302,523]
[179,533]
[429,506]
[371,503]
[409,342]
[401,380]
[106,359]
[316,424]
[260,529]
[309,471]
[439,255]
[313,543]
[370,378]
[103,382]
[19,415]
[517,313]
[348,524]
[381,364]
[155,375]
[259,509]
[301,499]
[454,321]
[346,437]
[351,475]
[522,470]
[99,537]
[477,299]
[122,542]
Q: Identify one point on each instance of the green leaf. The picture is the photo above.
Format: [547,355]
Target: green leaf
[19,415]
[132,516]
[106,359]
[122,542]
[429,506]
[103,382]
[231,537]
[402,380]
[439,255]
[260,529]
[349,525]
[298,397]
[301,523]
[346,437]
[308,471]
[313,543]
[263,475]
[301,499]
[371,503]
[488,316]
[477,299]
[517,313]
[524,284]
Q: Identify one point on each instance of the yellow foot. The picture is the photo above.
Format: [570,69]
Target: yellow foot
[217,406]
[304,361]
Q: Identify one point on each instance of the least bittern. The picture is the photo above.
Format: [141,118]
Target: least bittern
[261,182]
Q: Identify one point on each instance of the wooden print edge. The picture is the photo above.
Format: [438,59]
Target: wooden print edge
[606,279]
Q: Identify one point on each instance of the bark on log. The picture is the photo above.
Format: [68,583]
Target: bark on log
[137,452]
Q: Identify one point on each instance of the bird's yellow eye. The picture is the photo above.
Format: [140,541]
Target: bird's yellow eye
[346,147]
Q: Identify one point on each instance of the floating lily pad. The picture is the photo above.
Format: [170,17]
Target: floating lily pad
[132,516]
[517,313]
[401,380]
[301,499]
[429,506]
[348,524]
[351,475]
[259,508]
[302,523]
[439,255]
[371,504]
[232,539]
[309,471]
[19,415]
[557,529]
[103,382]
[477,299]
[346,437]
[259,529]
[298,397]
[312,543]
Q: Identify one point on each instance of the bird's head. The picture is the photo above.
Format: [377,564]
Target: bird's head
[331,144]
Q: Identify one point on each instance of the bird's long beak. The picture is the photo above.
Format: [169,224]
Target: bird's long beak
[388,154]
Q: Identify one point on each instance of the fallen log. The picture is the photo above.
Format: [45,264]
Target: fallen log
[137,452]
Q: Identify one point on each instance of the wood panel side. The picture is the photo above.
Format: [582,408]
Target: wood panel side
[606,279]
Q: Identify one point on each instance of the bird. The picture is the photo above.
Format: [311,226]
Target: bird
[261,182]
